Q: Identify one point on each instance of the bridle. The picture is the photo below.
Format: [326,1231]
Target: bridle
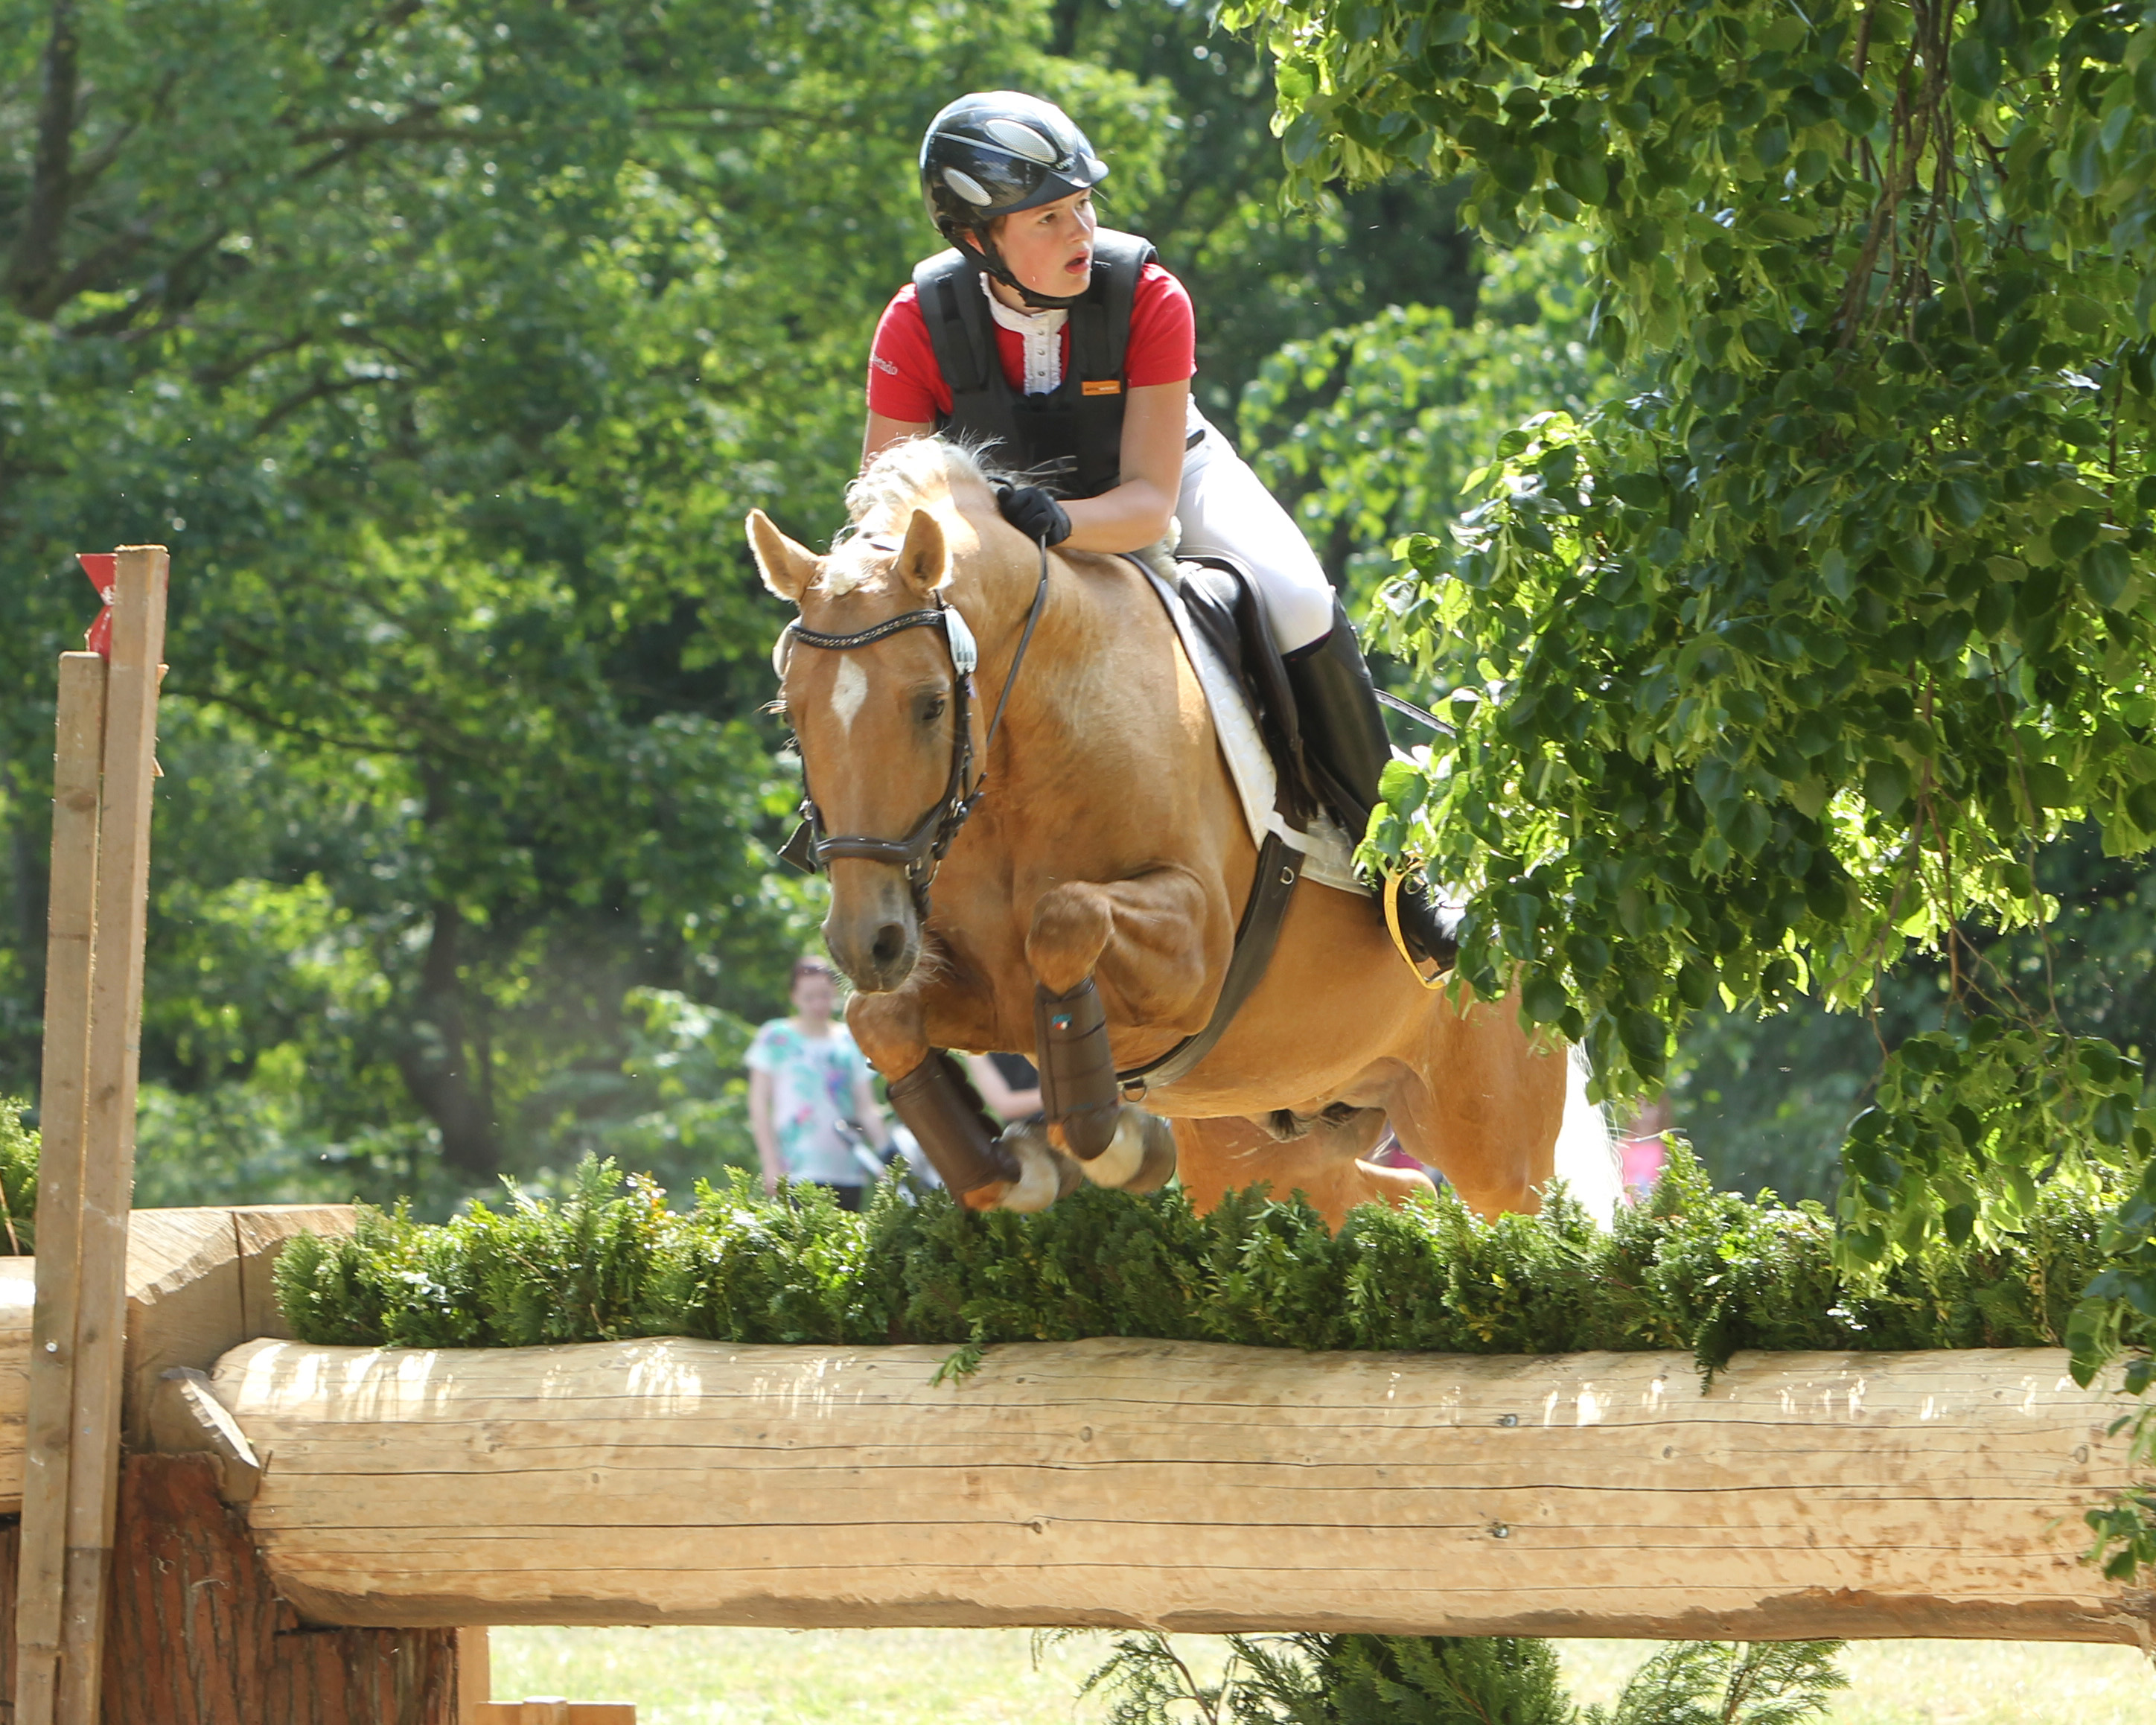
[920,852]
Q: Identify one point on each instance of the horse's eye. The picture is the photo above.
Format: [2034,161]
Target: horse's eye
[931,708]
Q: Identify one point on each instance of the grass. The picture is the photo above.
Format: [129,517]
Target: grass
[685,1677]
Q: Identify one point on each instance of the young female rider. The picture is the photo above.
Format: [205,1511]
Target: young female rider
[1067,348]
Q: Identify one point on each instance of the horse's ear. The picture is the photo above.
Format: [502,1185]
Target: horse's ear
[786,568]
[924,560]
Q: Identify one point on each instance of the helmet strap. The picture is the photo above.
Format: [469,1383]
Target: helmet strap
[986,257]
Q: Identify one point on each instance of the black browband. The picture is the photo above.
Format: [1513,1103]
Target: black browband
[921,851]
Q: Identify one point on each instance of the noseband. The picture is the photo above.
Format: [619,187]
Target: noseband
[920,852]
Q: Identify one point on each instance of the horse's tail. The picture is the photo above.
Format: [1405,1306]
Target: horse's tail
[1586,1148]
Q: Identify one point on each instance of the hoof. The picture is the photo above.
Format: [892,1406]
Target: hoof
[1044,1173]
[1140,1156]
[1158,1167]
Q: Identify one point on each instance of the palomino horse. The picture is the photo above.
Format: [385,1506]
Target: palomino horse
[1108,844]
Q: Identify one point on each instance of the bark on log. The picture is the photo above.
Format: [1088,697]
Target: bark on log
[1185,1487]
[197,1636]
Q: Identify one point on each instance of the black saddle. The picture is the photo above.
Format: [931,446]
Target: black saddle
[1223,601]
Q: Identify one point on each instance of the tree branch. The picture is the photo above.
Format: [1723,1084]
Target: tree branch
[270,721]
[321,389]
[35,259]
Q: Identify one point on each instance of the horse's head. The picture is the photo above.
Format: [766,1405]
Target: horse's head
[876,722]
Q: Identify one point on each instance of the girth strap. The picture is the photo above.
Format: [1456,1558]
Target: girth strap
[1279,867]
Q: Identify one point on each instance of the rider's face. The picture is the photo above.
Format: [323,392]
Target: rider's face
[1050,249]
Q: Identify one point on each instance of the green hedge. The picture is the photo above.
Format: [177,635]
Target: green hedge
[1691,1269]
[18,1180]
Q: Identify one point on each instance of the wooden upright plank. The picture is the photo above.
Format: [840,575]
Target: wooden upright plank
[1188,1486]
[78,764]
[115,1021]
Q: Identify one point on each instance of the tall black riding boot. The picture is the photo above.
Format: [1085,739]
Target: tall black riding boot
[1344,741]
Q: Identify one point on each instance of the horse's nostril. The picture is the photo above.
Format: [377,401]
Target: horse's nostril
[890,946]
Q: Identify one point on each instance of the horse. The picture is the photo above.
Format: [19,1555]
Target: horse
[1103,848]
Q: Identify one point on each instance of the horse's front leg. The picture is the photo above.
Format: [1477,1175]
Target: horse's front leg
[1138,948]
[983,1167]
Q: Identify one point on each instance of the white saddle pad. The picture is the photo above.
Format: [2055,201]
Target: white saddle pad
[1328,854]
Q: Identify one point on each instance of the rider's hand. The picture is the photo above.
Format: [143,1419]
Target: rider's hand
[1034,513]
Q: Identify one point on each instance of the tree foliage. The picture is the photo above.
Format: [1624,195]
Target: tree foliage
[1788,657]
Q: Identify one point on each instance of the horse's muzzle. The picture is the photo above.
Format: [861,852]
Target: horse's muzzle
[872,932]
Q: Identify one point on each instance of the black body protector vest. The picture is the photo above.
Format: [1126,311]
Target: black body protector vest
[1072,439]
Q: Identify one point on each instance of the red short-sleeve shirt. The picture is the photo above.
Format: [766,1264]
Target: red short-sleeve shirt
[905,383]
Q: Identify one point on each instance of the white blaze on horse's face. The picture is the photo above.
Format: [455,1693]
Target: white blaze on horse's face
[848,690]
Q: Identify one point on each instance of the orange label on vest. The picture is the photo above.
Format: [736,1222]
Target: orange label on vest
[1101,386]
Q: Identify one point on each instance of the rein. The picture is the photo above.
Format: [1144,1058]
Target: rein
[921,852]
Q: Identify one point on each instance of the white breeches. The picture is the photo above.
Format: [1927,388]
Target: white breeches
[1224,507]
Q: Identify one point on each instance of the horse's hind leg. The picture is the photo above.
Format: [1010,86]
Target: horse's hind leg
[1484,1107]
[1215,1157]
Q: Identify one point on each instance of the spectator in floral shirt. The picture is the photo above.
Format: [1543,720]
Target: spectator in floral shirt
[806,1079]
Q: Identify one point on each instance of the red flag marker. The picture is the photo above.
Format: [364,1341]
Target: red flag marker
[103,568]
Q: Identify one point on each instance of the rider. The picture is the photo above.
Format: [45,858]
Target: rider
[1096,347]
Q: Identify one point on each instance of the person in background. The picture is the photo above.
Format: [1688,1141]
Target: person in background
[806,1082]
[1008,1083]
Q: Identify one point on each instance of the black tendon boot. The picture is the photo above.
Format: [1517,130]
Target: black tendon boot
[1345,745]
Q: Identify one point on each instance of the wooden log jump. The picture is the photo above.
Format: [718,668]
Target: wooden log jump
[1185,1487]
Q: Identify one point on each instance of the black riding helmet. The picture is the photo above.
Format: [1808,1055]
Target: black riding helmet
[994,153]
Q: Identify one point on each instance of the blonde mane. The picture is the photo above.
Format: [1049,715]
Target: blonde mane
[921,473]
[914,475]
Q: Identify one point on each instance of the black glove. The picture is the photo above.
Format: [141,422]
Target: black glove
[1034,513]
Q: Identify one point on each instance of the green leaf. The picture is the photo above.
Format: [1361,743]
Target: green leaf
[1544,998]
[1404,786]
[1748,830]
[1886,785]
[1976,65]
[2083,315]
[1586,177]
[2048,785]
[1964,502]
[2073,534]
[2106,574]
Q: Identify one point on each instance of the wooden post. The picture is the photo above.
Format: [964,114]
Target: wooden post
[100,892]
[475,1675]
[61,1099]
[108,1184]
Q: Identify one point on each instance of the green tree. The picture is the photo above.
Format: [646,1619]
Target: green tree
[448,345]
[1788,660]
